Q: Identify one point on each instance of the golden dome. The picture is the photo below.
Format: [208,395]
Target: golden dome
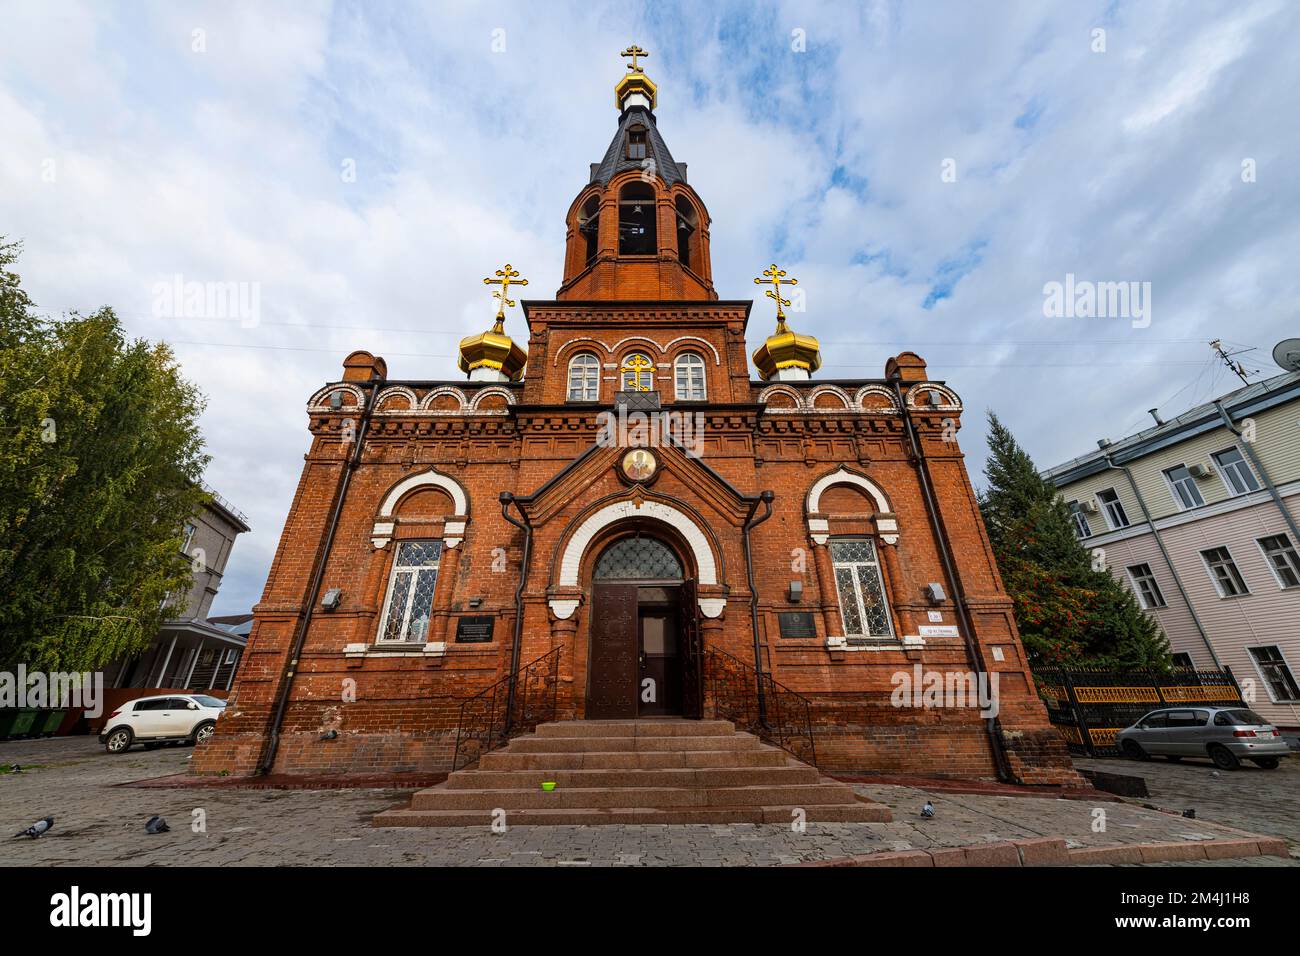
[493,350]
[785,350]
[635,80]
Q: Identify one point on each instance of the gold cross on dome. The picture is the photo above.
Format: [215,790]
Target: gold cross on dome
[774,278]
[505,279]
[634,51]
[632,373]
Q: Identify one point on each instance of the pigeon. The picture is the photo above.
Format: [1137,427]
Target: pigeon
[37,829]
[156,825]
[1190,813]
[927,811]
[14,768]
[330,735]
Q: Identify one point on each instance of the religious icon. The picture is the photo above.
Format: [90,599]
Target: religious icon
[639,464]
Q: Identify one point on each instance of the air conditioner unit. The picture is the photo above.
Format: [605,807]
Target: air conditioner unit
[1090,507]
[1198,471]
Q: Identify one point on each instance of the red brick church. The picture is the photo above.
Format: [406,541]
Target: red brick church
[628,517]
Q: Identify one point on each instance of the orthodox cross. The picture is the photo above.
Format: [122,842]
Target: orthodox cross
[774,278]
[505,279]
[632,373]
[634,51]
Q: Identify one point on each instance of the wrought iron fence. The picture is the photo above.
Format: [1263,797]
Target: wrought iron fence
[732,693]
[482,717]
[1089,707]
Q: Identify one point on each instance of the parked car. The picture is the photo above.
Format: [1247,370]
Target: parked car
[1227,735]
[152,721]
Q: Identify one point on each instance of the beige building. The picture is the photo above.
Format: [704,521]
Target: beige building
[1200,517]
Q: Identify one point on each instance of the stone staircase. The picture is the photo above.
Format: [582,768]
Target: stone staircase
[635,771]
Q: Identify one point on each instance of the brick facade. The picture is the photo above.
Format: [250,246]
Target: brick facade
[437,455]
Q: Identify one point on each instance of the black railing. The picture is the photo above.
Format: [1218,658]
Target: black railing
[482,725]
[731,693]
[1089,706]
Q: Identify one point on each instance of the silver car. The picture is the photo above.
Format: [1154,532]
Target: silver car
[1227,735]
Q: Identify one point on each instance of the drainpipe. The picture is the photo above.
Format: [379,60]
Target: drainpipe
[765,498]
[1169,563]
[506,499]
[1259,467]
[945,556]
[340,495]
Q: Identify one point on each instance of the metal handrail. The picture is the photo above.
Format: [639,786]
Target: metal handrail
[481,725]
[732,689]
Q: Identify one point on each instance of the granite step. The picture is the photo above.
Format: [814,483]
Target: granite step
[637,728]
[507,759]
[831,813]
[443,797]
[538,744]
[792,773]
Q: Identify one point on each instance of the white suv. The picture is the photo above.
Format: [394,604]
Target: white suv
[157,720]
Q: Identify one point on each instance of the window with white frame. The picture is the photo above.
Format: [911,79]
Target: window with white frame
[689,369]
[638,373]
[1236,473]
[410,592]
[584,378]
[1282,559]
[1144,582]
[1080,519]
[1273,668]
[1182,661]
[1224,573]
[861,588]
[1183,485]
[1116,516]
[190,531]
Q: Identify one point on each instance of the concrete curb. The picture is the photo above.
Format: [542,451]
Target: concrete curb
[1049,851]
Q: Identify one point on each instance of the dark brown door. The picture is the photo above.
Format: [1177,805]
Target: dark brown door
[691,653]
[612,689]
[660,690]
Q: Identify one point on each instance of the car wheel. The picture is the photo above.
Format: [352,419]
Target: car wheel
[1223,758]
[203,732]
[1133,750]
[1266,763]
[119,741]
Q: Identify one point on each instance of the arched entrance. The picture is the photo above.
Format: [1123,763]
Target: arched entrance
[642,625]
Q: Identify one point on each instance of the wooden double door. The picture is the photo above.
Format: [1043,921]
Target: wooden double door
[644,651]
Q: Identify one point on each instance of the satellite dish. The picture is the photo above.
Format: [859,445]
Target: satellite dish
[1287,354]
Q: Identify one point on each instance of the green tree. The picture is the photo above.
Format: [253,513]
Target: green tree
[1067,611]
[100,466]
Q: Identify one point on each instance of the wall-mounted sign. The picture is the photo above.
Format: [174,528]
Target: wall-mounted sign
[942,630]
[474,630]
[797,624]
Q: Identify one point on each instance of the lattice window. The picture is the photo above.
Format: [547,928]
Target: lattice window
[645,559]
[861,588]
[410,592]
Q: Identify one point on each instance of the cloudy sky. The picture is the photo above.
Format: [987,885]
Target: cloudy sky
[924,168]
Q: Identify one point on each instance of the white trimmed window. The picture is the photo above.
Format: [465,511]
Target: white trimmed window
[1184,489]
[1236,473]
[1282,559]
[1116,516]
[1081,526]
[861,588]
[1273,668]
[584,378]
[690,377]
[410,592]
[1144,583]
[638,373]
[1224,573]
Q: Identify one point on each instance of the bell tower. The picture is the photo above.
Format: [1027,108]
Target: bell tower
[637,230]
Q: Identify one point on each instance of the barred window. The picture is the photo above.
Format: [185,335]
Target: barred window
[861,588]
[645,559]
[584,378]
[410,591]
[690,377]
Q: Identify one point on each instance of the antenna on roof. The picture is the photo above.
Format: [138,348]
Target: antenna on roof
[1235,367]
[1287,354]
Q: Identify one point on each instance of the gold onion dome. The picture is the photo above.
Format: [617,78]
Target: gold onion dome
[493,355]
[785,354]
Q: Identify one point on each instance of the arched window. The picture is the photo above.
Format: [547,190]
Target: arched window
[636,220]
[584,378]
[687,223]
[638,559]
[409,603]
[638,373]
[689,369]
[589,227]
[861,588]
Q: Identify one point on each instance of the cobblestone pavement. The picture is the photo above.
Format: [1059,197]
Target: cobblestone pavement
[98,823]
[1262,801]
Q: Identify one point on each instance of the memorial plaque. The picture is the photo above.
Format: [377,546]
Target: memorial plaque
[797,624]
[474,630]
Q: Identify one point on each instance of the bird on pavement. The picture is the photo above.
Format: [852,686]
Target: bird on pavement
[156,825]
[927,811]
[36,829]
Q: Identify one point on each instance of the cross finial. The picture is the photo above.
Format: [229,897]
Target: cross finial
[505,278]
[775,277]
[635,51]
[634,369]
